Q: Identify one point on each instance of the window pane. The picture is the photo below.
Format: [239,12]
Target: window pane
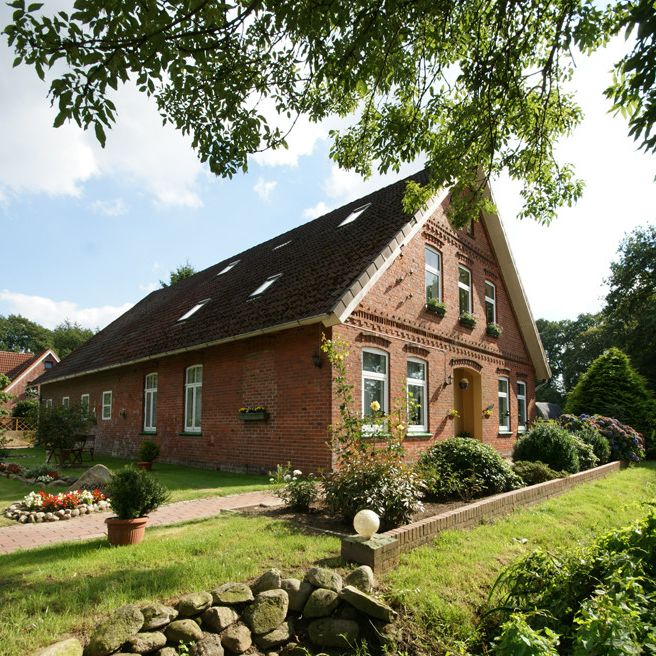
[522,411]
[147,411]
[416,370]
[432,286]
[464,276]
[503,386]
[417,405]
[464,300]
[503,412]
[153,405]
[489,312]
[375,362]
[432,259]
[199,399]
[374,390]
[521,389]
[489,290]
[189,407]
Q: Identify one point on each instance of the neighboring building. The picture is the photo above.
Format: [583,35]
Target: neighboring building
[246,332]
[545,410]
[22,369]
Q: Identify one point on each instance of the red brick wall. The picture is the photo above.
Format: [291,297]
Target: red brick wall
[17,390]
[392,317]
[275,371]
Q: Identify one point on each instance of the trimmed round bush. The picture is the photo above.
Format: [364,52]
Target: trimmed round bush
[464,468]
[135,493]
[551,444]
[533,473]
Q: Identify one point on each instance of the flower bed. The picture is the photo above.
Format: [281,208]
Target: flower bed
[37,507]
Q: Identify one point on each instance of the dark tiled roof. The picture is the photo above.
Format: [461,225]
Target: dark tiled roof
[317,266]
[13,364]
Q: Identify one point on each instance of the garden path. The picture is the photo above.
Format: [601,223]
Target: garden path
[31,536]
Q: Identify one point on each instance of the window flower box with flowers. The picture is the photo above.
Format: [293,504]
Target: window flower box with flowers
[435,307]
[453,414]
[256,413]
[493,330]
[467,319]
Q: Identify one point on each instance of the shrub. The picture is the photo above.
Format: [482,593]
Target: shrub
[297,491]
[148,451]
[625,442]
[547,442]
[587,457]
[464,468]
[377,482]
[533,473]
[25,408]
[585,431]
[60,427]
[135,493]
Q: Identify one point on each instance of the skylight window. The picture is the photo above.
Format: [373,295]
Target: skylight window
[286,243]
[193,310]
[353,215]
[228,267]
[266,284]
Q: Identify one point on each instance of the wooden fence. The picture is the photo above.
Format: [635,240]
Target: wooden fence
[16,424]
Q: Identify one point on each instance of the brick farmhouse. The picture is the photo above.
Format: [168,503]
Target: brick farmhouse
[22,369]
[246,333]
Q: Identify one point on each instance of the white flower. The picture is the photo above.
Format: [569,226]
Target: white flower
[297,472]
[287,477]
[33,500]
[375,406]
[85,497]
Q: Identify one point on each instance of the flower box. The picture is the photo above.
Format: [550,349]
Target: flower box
[493,330]
[260,415]
[467,320]
[436,308]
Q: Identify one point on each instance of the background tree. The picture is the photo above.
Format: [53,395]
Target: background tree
[21,335]
[181,273]
[67,336]
[471,85]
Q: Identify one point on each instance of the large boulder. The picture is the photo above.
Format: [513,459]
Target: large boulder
[270,580]
[268,611]
[361,578]
[218,618]
[298,592]
[112,633]
[183,631]
[367,604]
[237,638]
[157,615]
[146,641]
[231,593]
[321,603]
[321,577]
[167,651]
[279,636]
[193,604]
[333,633]
[97,476]
[208,645]
[70,647]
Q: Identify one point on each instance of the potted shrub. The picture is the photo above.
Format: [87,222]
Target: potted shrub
[133,494]
[435,307]
[148,453]
[467,319]
[493,329]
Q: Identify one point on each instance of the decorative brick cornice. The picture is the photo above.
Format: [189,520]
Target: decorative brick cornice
[503,370]
[368,338]
[466,362]
[416,350]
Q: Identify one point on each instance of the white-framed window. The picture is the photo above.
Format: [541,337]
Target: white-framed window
[84,404]
[279,246]
[374,381]
[433,264]
[521,406]
[150,403]
[48,403]
[47,364]
[416,383]
[490,302]
[227,268]
[193,398]
[266,284]
[194,309]
[504,406]
[66,401]
[464,289]
[106,405]
[355,214]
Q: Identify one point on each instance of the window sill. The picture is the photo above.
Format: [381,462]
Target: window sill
[506,433]
[151,433]
[420,435]
[190,434]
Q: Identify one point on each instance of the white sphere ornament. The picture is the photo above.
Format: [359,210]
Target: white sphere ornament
[366,523]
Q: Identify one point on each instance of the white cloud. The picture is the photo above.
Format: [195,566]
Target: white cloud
[49,312]
[264,188]
[115,207]
[318,210]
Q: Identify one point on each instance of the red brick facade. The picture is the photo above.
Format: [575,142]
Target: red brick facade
[32,370]
[278,371]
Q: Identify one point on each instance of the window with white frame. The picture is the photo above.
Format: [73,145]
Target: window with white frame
[433,264]
[193,310]
[374,381]
[48,403]
[66,401]
[227,268]
[150,403]
[464,289]
[490,302]
[355,214]
[106,405]
[266,284]
[193,398]
[84,404]
[504,406]
[417,394]
[521,406]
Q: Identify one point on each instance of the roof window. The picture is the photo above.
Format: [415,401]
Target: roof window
[193,310]
[354,215]
[228,267]
[266,284]
[286,243]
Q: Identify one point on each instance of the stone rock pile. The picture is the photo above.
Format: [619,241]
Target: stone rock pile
[271,617]
[19,513]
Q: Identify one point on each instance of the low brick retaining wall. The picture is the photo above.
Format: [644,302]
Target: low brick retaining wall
[382,552]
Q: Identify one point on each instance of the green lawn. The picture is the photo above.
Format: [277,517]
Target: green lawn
[442,586]
[184,482]
[46,593]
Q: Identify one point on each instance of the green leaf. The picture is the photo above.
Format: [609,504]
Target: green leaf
[100,134]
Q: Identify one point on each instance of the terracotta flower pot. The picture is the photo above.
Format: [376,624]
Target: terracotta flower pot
[125,531]
[145,464]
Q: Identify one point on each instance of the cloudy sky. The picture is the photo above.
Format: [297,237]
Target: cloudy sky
[87,232]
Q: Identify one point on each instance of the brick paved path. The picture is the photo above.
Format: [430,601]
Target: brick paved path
[31,536]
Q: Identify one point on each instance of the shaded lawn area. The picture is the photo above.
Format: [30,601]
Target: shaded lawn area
[441,587]
[46,593]
[183,481]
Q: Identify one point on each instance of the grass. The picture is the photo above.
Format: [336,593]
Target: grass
[184,482]
[441,587]
[47,593]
